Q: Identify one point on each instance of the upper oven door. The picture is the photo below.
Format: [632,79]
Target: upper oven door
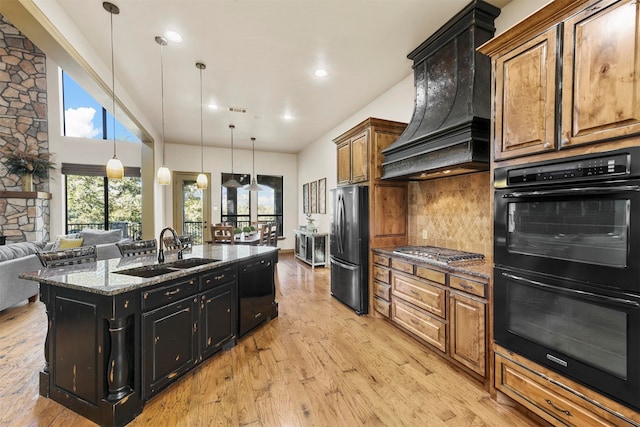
[588,232]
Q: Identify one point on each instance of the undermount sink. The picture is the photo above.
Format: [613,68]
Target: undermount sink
[148,271]
[189,263]
[171,267]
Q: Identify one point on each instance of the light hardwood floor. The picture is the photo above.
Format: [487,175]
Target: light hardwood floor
[317,364]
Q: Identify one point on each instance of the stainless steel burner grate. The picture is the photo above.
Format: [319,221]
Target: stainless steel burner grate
[448,256]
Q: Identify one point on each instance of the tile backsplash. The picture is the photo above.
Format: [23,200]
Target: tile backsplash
[454,212]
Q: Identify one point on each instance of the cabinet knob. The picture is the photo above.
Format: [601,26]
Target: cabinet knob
[546,145]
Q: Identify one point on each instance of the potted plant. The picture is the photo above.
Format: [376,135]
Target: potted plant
[246,230]
[27,164]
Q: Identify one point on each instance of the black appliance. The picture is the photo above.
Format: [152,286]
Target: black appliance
[567,275]
[256,294]
[349,247]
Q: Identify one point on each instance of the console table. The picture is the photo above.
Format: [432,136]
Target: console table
[311,247]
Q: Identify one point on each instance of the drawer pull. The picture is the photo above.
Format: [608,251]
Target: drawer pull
[219,277]
[465,286]
[564,411]
[208,281]
[169,293]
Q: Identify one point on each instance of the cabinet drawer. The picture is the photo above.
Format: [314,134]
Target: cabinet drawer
[429,274]
[420,323]
[466,285]
[217,277]
[382,290]
[421,293]
[381,274]
[381,306]
[543,397]
[381,260]
[406,267]
[169,293]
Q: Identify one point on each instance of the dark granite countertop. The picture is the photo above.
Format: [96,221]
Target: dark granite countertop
[102,277]
[480,269]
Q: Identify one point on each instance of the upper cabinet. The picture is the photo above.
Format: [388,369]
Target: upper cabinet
[565,77]
[353,159]
[360,150]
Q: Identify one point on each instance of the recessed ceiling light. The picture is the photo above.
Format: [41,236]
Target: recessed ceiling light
[212,106]
[287,117]
[173,36]
[321,72]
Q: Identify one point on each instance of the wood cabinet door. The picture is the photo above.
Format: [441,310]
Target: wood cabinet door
[525,98]
[360,158]
[601,90]
[344,163]
[467,332]
[218,318]
[170,347]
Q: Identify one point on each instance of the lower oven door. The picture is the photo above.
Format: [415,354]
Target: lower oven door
[586,334]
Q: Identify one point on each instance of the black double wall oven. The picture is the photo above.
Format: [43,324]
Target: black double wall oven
[567,268]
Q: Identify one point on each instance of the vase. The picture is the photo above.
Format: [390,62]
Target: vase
[27,183]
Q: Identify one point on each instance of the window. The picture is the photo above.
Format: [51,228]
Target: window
[84,117]
[93,201]
[236,202]
[270,200]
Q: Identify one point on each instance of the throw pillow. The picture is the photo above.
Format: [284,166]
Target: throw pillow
[99,237]
[65,243]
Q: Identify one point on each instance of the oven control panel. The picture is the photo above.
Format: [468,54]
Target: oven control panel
[568,170]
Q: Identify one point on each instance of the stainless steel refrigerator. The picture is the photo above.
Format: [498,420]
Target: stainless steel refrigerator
[349,245]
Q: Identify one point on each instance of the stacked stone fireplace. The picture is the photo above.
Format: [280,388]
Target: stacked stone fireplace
[24,216]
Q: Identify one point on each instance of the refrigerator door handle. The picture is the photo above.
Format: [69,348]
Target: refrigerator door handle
[342,223]
[343,265]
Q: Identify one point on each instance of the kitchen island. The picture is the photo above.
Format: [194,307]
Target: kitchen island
[121,330]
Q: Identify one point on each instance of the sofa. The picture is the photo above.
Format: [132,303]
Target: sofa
[16,258]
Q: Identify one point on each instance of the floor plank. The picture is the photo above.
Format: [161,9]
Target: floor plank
[317,364]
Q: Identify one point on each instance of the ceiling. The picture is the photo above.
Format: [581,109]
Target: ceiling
[260,55]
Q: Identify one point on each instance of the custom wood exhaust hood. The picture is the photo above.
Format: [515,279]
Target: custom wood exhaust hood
[450,127]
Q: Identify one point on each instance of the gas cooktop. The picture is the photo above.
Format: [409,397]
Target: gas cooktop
[447,256]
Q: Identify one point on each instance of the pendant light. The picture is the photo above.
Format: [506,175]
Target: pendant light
[254,184]
[163,176]
[115,169]
[202,182]
[232,183]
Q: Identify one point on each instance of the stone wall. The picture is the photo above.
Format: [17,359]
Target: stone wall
[23,126]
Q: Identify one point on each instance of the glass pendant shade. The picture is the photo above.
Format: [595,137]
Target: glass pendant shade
[202,182]
[164,176]
[232,183]
[253,186]
[115,169]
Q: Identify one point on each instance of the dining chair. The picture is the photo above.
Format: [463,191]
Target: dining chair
[185,242]
[273,234]
[265,235]
[139,247]
[222,234]
[68,256]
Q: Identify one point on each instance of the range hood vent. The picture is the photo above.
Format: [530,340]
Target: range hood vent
[450,127]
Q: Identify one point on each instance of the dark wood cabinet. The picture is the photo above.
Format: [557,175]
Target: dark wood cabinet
[218,318]
[170,343]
